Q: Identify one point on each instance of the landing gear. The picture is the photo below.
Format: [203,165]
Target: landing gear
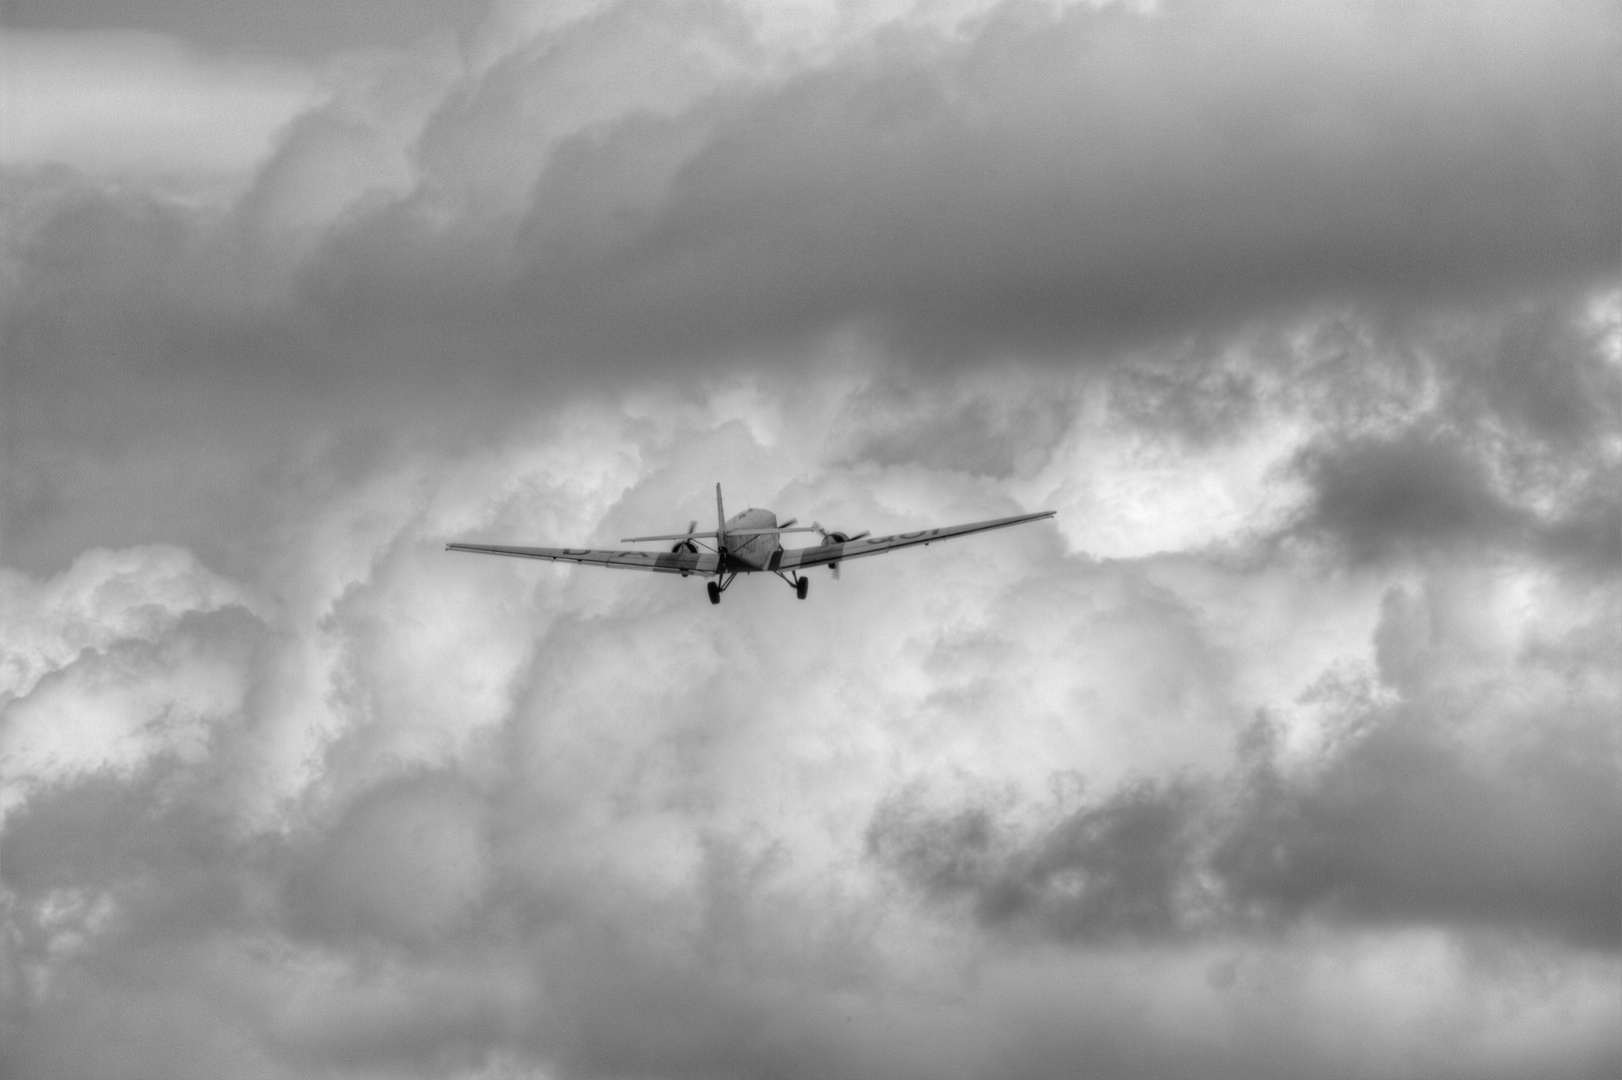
[719,586]
[800,582]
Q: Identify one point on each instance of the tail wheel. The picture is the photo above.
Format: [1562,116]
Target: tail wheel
[715,593]
[801,587]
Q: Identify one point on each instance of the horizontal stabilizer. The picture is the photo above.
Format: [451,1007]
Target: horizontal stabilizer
[711,534]
[671,536]
[774,529]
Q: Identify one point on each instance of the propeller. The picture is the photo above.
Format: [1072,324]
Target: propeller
[830,537]
[687,545]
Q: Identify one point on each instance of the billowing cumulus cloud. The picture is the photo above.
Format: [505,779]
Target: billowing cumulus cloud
[1288,747]
[1401,822]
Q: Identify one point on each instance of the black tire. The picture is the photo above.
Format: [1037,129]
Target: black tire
[715,593]
[801,587]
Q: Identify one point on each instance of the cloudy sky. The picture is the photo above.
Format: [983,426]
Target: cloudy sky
[1289,748]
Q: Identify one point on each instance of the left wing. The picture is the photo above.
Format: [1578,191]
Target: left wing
[823,554]
[703,563]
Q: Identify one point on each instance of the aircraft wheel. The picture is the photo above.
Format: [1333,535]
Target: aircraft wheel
[801,587]
[715,593]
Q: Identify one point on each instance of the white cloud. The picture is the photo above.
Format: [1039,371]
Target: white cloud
[590,822]
[104,598]
[102,671]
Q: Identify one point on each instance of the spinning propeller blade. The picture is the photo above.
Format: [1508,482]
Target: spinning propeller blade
[829,536]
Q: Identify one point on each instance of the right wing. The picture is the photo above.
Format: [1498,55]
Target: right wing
[703,563]
[823,554]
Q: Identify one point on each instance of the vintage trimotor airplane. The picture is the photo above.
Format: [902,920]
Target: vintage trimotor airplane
[747,543]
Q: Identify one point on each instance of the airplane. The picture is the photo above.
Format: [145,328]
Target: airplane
[748,543]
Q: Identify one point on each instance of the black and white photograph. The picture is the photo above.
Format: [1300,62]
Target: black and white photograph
[1122,502]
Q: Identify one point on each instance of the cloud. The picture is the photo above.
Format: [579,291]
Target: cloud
[1406,830]
[408,862]
[1114,869]
[1420,810]
[454,239]
[105,597]
[140,105]
[1412,492]
[308,30]
[451,238]
[1033,184]
[1305,320]
[1512,450]
[1042,184]
[125,658]
[470,814]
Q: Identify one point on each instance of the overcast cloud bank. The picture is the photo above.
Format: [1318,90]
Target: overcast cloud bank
[1291,747]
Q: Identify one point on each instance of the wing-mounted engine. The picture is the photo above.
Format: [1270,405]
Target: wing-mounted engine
[687,544]
[832,537]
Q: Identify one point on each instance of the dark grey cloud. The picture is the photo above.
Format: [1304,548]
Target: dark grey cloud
[1046,183]
[149,875]
[1411,493]
[1035,184]
[1401,830]
[1414,495]
[1119,869]
[1543,372]
[1402,825]
[1512,451]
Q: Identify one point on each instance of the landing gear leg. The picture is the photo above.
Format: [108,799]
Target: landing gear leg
[715,593]
[800,582]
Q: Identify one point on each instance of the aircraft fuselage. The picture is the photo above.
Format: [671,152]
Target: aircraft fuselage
[753,552]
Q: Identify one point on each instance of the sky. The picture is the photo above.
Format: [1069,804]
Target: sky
[1288,748]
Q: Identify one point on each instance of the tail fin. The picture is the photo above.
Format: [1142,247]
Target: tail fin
[720,521]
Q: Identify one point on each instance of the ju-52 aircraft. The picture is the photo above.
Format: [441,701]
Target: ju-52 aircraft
[746,543]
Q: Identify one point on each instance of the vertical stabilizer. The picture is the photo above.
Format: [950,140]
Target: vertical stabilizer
[720,521]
